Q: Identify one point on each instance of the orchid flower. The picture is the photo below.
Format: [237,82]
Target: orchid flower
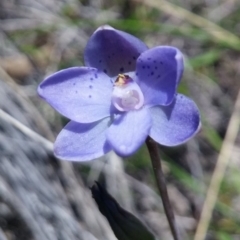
[125,93]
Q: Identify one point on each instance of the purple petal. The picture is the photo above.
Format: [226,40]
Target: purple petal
[176,123]
[113,51]
[129,131]
[159,71]
[80,93]
[82,142]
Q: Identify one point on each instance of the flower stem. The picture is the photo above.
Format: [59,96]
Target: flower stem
[157,169]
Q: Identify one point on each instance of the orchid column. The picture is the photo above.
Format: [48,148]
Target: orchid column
[125,94]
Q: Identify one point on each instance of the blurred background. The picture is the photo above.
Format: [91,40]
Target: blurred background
[44,198]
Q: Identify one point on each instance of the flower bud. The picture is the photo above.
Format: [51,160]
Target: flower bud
[124,224]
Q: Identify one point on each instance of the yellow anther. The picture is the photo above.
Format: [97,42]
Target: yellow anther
[121,80]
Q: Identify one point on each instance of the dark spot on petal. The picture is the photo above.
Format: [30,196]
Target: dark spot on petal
[161,62]
[149,58]
[134,58]
[74,84]
[113,54]
[91,79]
[152,73]
[158,76]
[90,86]
[121,69]
[105,70]
[143,67]
[90,96]
[100,61]
[154,61]
[109,56]
[148,67]
[156,68]
[95,75]
[76,91]
[136,73]
[129,63]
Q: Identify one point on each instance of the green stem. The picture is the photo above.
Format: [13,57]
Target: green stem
[161,184]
